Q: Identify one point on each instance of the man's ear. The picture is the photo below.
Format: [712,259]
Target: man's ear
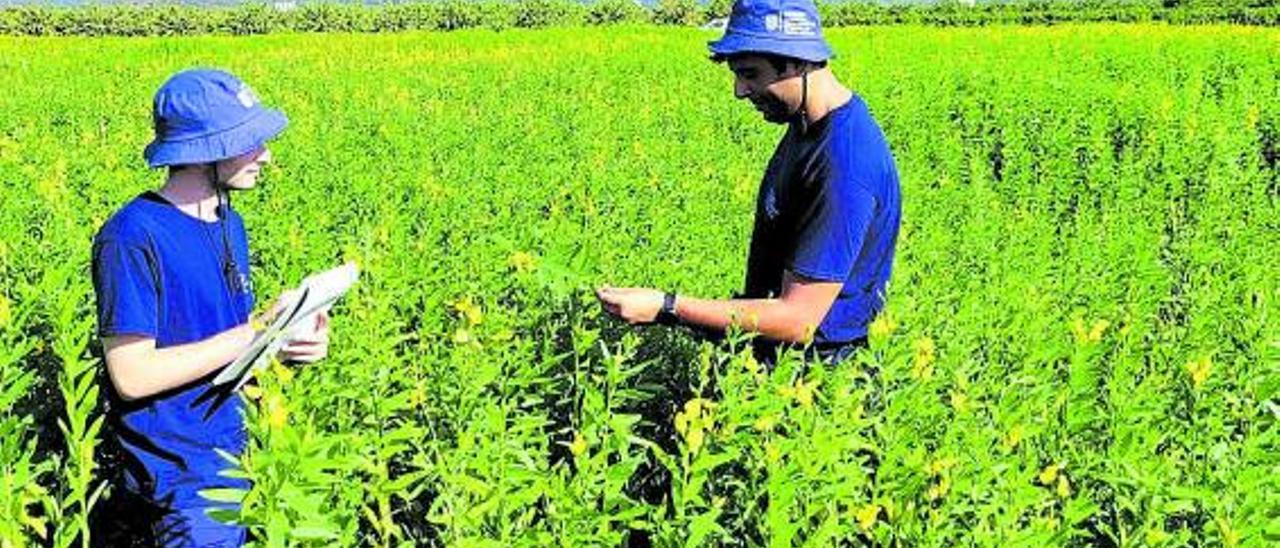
[794,67]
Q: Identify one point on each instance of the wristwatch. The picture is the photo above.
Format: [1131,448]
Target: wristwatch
[667,314]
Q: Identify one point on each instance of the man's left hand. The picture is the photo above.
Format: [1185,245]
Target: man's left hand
[309,343]
[635,305]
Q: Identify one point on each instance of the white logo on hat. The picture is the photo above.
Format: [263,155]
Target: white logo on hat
[771,23]
[246,97]
[798,23]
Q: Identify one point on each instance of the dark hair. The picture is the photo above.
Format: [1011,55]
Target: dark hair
[180,167]
[779,62]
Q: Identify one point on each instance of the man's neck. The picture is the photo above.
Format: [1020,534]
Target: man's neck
[825,95]
[191,192]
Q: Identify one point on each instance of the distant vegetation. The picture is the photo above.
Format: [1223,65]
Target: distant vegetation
[262,18]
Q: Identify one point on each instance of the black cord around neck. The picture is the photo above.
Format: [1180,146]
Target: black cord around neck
[230,268]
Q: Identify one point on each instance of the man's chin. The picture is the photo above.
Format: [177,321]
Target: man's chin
[241,185]
[773,117]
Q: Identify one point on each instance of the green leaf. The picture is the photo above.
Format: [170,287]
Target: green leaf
[225,495]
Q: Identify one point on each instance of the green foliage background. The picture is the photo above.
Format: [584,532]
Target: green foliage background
[1080,344]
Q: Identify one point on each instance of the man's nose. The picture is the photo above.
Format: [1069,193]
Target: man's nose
[740,89]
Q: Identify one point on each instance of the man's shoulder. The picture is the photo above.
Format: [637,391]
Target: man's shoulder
[855,129]
[133,224]
[857,145]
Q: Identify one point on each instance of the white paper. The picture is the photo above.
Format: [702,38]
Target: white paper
[315,293]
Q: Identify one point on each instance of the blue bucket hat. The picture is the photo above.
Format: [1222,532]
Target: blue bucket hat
[204,115]
[782,27]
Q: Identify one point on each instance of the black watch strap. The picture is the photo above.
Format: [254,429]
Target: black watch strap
[667,315]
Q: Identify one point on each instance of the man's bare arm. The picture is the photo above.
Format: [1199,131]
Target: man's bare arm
[791,317]
[138,369]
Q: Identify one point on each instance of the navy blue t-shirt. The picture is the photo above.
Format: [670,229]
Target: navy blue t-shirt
[161,273]
[828,209]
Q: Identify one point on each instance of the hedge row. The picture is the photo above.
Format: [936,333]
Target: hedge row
[257,18]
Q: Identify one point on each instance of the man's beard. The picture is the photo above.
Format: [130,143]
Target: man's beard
[773,110]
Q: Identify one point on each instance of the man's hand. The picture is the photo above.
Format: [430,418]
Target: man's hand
[264,320]
[309,341]
[635,305]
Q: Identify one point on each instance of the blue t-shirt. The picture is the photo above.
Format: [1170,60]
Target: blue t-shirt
[828,209]
[161,273]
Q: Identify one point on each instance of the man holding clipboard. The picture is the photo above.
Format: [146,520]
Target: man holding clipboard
[171,275]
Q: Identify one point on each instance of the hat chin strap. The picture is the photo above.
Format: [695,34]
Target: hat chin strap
[799,116]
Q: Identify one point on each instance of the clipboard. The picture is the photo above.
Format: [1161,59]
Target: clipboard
[315,293]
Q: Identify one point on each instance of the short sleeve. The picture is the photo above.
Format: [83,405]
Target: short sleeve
[124,279]
[832,230]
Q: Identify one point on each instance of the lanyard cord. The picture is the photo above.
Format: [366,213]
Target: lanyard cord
[230,269]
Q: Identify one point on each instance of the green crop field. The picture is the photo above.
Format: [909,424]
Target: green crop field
[1081,344]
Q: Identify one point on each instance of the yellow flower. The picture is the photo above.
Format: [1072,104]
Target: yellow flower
[6,312]
[277,412]
[766,423]
[1064,488]
[1079,330]
[750,364]
[692,422]
[522,262]
[882,327]
[805,392]
[578,446]
[801,392]
[694,440]
[252,391]
[469,310]
[809,331]
[1084,333]
[1251,117]
[938,466]
[1099,327]
[772,453]
[462,336]
[1049,474]
[922,361]
[940,490]
[281,372]
[1199,371]
[418,396]
[697,407]
[867,516]
[1014,437]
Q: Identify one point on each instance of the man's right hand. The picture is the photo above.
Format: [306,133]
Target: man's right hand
[261,321]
